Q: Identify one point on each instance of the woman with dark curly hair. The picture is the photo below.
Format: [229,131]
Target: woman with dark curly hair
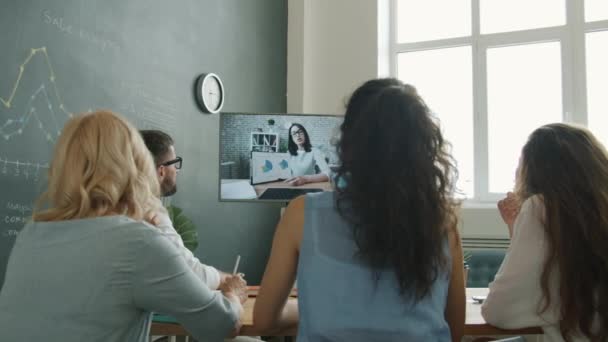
[379,259]
[555,274]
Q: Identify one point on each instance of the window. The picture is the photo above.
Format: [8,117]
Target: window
[523,92]
[498,15]
[597,83]
[492,80]
[420,20]
[596,10]
[453,94]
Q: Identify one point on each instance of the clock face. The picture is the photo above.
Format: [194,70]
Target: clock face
[210,93]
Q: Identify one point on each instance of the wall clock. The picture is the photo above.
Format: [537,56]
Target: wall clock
[210,93]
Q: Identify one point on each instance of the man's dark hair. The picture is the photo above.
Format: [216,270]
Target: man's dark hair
[158,143]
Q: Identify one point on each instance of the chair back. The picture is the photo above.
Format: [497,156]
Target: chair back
[483,265]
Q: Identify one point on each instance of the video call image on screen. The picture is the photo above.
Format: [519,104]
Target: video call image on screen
[259,152]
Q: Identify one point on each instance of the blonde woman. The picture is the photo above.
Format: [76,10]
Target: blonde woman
[88,267]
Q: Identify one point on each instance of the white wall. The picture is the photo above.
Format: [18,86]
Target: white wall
[482,221]
[333,46]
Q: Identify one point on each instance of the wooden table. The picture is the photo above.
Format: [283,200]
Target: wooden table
[475,325]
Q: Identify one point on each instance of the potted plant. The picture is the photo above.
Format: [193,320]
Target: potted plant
[184,227]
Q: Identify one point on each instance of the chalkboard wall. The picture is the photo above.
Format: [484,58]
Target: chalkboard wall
[140,58]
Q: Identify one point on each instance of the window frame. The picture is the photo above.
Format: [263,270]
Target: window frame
[571,37]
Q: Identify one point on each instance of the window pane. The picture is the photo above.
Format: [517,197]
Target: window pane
[514,15]
[597,84]
[432,19]
[596,10]
[524,92]
[443,78]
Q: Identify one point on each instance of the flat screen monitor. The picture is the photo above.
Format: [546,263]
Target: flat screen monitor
[260,153]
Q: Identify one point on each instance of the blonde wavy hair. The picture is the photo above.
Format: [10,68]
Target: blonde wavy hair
[100,167]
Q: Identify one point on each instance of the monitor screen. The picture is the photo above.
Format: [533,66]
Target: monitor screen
[276,157]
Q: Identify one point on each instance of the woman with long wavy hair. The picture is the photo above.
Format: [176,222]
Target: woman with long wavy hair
[88,267]
[555,274]
[379,258]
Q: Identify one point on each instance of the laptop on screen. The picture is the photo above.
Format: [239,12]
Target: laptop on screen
[267,167]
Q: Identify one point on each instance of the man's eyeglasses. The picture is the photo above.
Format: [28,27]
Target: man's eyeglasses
[177,161]
[296,133]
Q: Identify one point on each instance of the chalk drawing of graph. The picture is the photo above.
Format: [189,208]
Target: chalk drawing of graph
[17,168]
[38,113]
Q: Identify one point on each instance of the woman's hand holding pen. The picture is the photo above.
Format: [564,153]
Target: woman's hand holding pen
[234,285]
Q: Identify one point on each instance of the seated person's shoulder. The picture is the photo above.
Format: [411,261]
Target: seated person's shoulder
[535,203]
[140,238]
[314,199]
[161,221]
[136,231]
[297,204]
[294,214]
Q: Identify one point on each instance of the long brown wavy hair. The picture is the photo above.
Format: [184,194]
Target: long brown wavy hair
[568,168]
[399,180]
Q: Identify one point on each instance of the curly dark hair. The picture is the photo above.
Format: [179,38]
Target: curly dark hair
[567,167]
[399,184]
[292,146]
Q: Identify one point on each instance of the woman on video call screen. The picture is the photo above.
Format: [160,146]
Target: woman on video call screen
[308,164]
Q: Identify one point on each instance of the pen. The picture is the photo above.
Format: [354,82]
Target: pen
[236,264]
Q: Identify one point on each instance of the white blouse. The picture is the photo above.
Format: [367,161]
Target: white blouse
[515,296]
[304,163]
